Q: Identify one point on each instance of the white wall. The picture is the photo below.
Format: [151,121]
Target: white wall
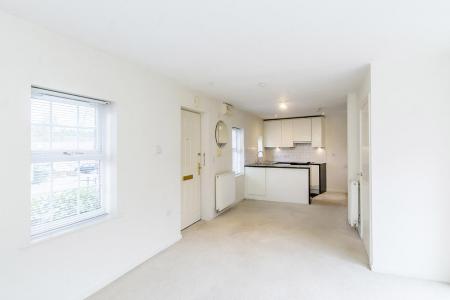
[410,167]
[354,103]
[74,265]
[336,149]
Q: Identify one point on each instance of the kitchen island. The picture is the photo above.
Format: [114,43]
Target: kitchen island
[280,182]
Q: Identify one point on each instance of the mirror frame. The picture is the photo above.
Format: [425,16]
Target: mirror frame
[225,127]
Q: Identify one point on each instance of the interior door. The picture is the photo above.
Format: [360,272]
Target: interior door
[190,169]
[365,207]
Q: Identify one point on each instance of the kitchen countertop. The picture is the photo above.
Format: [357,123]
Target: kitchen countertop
[288,165]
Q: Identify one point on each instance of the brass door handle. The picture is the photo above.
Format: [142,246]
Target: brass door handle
[188,177]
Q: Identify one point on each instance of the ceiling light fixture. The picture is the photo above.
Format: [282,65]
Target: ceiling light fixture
[282,106]
[261,84]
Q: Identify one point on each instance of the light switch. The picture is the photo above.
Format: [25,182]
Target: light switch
[158,149]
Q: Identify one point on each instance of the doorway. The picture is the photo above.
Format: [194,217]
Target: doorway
[364,173]
[190,168]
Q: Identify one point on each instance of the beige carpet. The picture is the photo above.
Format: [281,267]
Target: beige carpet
[266,250]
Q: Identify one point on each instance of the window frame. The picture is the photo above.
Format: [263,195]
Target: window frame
[50,156]
[237,147]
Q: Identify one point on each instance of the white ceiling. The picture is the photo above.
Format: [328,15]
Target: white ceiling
[309,53]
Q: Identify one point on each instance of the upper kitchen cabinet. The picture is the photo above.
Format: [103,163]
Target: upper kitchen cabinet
[302,130]
[287,131]
[272,133]
[318,132]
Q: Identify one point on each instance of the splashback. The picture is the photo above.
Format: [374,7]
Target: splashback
[300,153]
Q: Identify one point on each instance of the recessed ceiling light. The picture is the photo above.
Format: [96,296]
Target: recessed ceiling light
[282,106]
[261,84]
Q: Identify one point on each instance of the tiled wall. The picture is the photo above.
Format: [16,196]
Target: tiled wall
[300,153]
[251,155]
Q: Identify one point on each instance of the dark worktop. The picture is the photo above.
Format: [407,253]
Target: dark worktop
[288,165]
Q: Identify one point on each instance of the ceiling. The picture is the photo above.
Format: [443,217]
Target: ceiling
[252,53]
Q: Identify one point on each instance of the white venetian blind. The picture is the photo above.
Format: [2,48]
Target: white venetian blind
[237,147]
[67,160]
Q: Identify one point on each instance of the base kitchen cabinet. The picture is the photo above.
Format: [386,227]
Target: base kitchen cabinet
[255,182]
[281,184]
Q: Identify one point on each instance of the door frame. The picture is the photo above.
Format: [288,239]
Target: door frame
[366,102]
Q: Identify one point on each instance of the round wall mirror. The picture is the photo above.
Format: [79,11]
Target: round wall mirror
[221,134]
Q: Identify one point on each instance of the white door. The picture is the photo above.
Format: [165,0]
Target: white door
[365,206]
[190,169]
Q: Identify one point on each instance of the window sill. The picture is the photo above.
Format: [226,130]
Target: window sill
[50,235]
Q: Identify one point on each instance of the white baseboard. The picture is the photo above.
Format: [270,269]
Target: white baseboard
[101,284]
[337,191]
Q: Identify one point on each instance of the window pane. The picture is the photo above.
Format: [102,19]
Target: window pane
[64,138]
[89,186]
[65,189]
[41,207]
[233,138]
[237,153]
[86,139]
[40,112]
[87,116]
[40,137]
[64,114]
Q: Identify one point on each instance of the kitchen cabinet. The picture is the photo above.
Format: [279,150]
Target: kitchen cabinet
[272,133]
[287,138]
[255,182]
[277,184]
[318,132]
[286,132]
[302,130]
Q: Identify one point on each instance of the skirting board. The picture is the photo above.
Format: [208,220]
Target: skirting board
[101,284]
[337,190]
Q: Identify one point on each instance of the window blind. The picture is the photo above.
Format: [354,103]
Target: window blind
[67,160]
[237,147]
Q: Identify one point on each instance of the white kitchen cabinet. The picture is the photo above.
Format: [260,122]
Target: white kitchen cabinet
[255,182]
[272,133]
[318,132]
[277,184]
[287,132]
[287,185]
[302,130]
[287,128]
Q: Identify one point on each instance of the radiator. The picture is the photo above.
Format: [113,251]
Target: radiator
[225,190]
[353,203]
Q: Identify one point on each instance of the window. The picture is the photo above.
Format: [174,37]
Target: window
[67,170]
[260,148]
[237,145]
